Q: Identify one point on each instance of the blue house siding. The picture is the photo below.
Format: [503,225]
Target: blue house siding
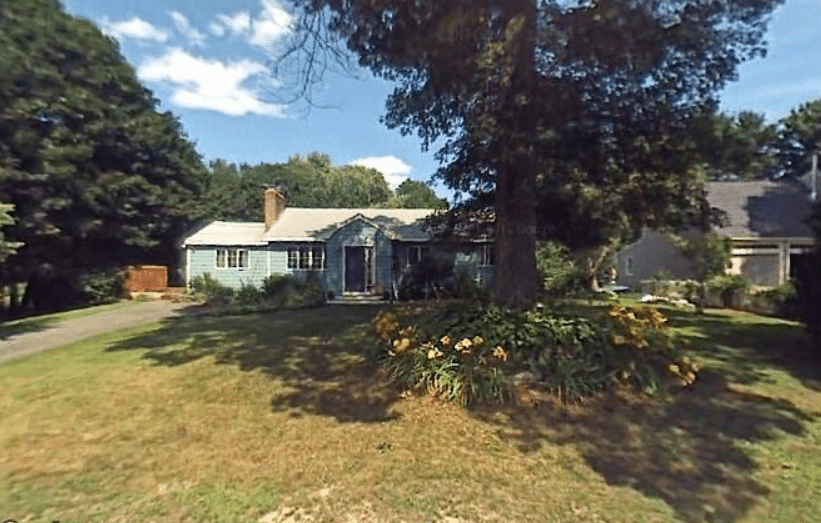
[204,260]
[356,234]
[390,256]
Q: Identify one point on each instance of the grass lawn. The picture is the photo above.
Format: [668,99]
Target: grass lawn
[279,418]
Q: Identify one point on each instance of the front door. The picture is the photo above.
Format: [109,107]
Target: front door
[355,269]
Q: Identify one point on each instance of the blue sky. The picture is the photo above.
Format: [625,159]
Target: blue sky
[205,60]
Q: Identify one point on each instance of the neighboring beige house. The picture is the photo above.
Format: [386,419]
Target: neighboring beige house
[767,225]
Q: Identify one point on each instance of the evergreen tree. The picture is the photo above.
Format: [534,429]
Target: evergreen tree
[529,96]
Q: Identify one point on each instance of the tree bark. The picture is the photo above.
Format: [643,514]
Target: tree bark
[516,278]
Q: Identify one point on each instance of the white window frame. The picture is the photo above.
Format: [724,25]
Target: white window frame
[628,266]
[232,258]
[486,255]
[420,250]
[307,258]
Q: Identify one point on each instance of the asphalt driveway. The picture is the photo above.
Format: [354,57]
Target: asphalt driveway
[53,334]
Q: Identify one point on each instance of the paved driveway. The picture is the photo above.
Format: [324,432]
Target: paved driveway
[73,329]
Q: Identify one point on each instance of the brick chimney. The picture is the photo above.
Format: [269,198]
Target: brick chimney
[273,206]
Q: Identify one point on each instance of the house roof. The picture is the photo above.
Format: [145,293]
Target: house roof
[303,224]
[228,233]
[763,208]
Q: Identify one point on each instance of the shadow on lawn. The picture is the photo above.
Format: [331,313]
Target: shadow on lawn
[687,451]
[316,356]
[24,326]
[745,344]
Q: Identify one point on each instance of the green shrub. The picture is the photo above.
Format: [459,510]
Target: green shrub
[727,286]
[465,286]
[102,286]
[465,351]
[560,275]
[308,293]
[288,291]
[211,288]
[248,295]
[277,286]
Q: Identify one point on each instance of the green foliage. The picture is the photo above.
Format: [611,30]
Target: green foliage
[234,193]
[466,352]
[737,146]
[465,286]
[210,287]
[559,272]
[432,277]
[782,301]
[725,286]
[89,163]
[102,286]
[248,295]
[413,194]
[284,291]
[709,253]
[7,248]
[573,116]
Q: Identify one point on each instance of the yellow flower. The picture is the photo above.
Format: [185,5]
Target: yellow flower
[445,341]
[401,345]
[618,339]
[478,341]
[464,345]
[500,353]
[674,369]
[434,353]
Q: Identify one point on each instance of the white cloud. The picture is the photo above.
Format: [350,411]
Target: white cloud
[200,83]
[134,28]
[263,30]
[239,23]
[392,168]
[273,23]
[186,29]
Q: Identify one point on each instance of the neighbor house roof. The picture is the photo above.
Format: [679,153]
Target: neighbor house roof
[302,224]
[763,208]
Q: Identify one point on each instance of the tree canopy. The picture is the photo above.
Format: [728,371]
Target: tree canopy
[580,98]
[235,192]
[97,175]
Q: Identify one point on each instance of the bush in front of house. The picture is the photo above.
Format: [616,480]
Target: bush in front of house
[728,288]
[207,286]
[432,277]
[276,292]
[467,352]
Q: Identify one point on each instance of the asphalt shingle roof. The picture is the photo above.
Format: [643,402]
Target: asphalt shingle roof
[301,224]
[763,209]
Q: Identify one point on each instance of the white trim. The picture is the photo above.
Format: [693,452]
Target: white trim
[187,268]
[269,261]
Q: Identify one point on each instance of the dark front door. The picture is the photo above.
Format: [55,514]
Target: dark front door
[355,269]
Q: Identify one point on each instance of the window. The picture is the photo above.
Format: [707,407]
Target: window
[304,258]
[486,254]
[416,253]
[628,266]
[317,257]
[232,259]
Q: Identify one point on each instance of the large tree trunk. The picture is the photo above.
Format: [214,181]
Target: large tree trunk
[516,278]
